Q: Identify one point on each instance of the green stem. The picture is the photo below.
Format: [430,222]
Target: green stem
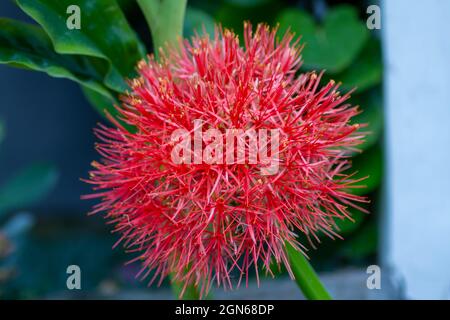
[165,19]
[305,276]
[191,292]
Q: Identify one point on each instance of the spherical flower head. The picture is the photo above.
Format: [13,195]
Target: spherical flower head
[232,153]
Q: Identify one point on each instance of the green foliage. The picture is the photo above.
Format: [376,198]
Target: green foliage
[27,46]
[332,46]
[99,56]
[366,71]
[104,34]
[27,187]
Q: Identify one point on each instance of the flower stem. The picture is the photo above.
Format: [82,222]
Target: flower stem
[165,19]
[190,293]
[305,276]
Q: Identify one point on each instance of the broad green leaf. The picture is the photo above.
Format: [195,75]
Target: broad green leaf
[369,164]
[332,46]
[27,187]
[299,22]
[27,46]
[195,20]
[104,34]
[366,71]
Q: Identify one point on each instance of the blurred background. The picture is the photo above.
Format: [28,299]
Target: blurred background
[46,146]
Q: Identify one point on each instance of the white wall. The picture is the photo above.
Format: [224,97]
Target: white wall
[416,233]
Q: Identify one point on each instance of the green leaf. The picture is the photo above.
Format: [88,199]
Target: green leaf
[332,46]
[298,21]
[27,46]
[195,20]
[366,71]
[369,164]
[27,187]
[104,34]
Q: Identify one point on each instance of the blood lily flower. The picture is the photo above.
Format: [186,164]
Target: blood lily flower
[203,221]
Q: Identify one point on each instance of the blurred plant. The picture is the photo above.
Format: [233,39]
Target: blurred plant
[27,187]
[24,189]
[104,52]
[41,255]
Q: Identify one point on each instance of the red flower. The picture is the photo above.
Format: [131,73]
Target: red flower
[201,220]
